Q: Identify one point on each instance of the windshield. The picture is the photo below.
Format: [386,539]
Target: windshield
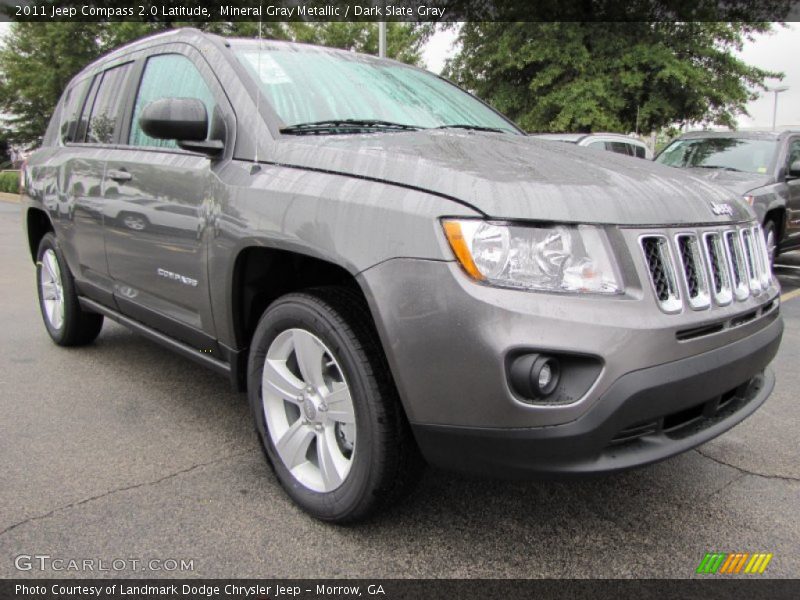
[312,85]
[747,155]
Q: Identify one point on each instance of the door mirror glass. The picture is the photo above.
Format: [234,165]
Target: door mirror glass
[180,119]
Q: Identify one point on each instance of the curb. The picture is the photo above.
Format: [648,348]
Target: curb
[9,197]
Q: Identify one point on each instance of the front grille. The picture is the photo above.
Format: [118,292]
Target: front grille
[662,272]
[718,266]
[711,265]
[753,266]
[738,269]
[693,270]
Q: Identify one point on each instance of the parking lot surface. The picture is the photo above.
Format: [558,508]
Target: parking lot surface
[123,450]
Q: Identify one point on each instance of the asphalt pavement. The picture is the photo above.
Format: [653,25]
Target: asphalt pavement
[123,450]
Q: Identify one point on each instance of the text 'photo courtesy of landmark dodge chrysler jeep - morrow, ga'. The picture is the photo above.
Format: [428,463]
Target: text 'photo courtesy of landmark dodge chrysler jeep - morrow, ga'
[392,270]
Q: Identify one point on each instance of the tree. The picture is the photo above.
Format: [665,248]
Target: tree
[37,60]
[610,76]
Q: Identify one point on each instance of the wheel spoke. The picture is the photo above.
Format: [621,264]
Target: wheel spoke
[309,357]
[340,405]
[52,267]
[293,444]
[328,455]
[278,378]
[49,290]
[58,314]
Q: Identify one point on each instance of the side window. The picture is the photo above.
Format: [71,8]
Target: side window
[640,152]
[619,148]
[70,111]
[168,76]
[794,152]
[83,120]
[107,106]
[598,145]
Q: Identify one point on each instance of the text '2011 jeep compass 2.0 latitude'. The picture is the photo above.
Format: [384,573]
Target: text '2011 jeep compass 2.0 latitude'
[393,270]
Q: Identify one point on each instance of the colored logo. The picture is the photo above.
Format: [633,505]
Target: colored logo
[734,563]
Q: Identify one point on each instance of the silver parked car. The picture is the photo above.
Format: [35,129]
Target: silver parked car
[613,142]
[394,271]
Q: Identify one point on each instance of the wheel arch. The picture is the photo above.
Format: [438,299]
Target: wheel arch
[261,275]
[777,214]
[37,224]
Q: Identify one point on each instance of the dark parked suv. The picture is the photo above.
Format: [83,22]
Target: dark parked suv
[762,167]
[394,271]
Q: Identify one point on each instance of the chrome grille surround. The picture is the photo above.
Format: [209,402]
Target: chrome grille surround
[658,257]
[733,245]
[717,265]
[708,267]
[693,269]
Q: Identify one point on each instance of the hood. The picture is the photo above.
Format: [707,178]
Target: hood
[518,177]
[736,181]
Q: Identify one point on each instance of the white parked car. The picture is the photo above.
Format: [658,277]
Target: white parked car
[613,142]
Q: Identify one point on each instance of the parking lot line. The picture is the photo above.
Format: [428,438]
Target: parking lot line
[790,295]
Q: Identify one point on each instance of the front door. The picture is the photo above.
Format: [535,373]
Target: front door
[793,201]
[157,200]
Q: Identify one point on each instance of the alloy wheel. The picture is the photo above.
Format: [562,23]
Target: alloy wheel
[309,412]
[52,289]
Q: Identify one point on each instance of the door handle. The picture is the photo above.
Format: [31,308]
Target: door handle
[119,175]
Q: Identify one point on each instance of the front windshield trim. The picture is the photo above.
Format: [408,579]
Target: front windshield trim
[276,122]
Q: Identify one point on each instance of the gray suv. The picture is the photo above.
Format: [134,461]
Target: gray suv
[762,167]
[392,270]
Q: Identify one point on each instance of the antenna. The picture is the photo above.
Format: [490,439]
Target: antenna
[258,86]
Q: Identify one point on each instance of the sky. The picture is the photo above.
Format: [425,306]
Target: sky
[778,51]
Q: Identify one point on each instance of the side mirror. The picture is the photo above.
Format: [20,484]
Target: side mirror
[181,119]
[794,170]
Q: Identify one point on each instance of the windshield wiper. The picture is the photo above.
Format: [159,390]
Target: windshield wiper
[472,127]
[346,126]
[719,167]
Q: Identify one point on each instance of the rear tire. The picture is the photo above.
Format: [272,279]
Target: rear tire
[66,322]
[335,470]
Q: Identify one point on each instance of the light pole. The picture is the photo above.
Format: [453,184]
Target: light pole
[382,39]
[776,90]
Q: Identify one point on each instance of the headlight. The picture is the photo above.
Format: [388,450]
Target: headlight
[554,259]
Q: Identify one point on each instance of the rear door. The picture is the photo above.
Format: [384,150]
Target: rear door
[157,201]
[88,138]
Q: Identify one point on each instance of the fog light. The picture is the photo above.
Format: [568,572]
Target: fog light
[535,375]
[545,376]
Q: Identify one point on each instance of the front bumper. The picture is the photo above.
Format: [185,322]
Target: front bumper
[447,340]
[645,417]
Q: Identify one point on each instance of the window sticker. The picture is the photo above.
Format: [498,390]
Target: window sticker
[268,71]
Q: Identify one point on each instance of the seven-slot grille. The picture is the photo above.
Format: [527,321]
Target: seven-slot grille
[712,265]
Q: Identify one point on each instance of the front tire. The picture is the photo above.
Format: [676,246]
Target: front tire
[771,240]
[66,322]
[326,410]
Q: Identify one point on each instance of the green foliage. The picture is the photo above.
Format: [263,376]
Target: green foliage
[9,182]
[596,76]
[37,60]
[5,150]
